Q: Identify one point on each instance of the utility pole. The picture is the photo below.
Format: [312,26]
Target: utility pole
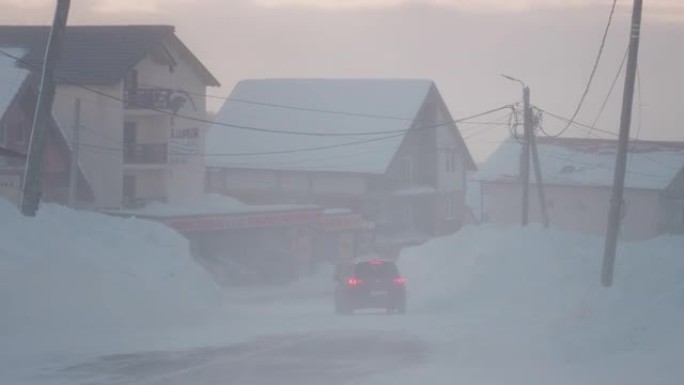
[530,146]
[75,140]
[32,189]
[616,200]
[538,173]
[525,167]
[525,161]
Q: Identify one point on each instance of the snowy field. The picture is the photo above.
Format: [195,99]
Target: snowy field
[91,299]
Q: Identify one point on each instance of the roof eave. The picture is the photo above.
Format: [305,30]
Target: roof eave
[209,79]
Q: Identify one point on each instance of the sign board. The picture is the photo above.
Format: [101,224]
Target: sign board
[183,143]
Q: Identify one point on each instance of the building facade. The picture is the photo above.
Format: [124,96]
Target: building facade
[404,170]
[578,176]
[141,90]
[18,99]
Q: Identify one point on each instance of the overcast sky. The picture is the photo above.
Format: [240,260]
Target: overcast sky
[463,45]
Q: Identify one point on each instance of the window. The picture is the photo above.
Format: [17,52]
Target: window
[131,80]
[451,160]
[451,208]
[129,187]
[130,132]
[3,134]
[406,170]
[21,135]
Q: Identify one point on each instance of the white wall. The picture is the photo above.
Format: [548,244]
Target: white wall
[185,173]
[576,208]
[101,136]
[251,180]
[449,180]
[338,184]
[149,183]
[294,182]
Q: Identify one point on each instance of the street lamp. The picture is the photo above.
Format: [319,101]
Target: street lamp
[529,145]
[515,80]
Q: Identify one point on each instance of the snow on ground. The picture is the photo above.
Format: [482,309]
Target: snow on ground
[492,305]
[71,280]
[518,305]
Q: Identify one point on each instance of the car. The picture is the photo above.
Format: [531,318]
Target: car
[369,284]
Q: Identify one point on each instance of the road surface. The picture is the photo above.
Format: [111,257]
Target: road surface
[330,357]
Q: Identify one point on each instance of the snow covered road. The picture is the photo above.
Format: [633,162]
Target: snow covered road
[315,358]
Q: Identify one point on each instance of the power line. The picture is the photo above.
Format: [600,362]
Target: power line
[612,86]
[605,101]
[593,71]
[298,108]
[575,123]
[284,106]
[267,130]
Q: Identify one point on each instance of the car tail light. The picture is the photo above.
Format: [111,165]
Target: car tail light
[353,281]
[400,280]
[377,263]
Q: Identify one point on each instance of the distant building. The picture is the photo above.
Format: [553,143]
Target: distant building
[578,176]
[136,84]
[18,98]
[387,149]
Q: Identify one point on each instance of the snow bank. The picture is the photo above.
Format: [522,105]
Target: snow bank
[515,297]
[71,278]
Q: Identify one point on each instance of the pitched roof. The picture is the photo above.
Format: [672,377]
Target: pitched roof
[12,78]
[358,99]
[94,55]
[589,162]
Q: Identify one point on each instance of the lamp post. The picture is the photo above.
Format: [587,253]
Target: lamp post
[530,145]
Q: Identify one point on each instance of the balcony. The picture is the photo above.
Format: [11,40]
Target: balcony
[149,153]
[147,98]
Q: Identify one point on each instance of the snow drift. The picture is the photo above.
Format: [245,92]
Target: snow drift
[70,277]
[530,300]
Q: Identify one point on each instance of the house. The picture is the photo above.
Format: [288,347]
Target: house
[386,149]
[18,98]
[142,108]
[578,178]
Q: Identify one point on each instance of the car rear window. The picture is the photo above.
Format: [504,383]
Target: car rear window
[376,270]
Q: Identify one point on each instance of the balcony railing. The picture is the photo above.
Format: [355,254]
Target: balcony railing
[151,98]
[150,153]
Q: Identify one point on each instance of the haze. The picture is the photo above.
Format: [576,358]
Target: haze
[462,45]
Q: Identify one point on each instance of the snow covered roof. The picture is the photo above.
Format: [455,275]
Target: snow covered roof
[11,78]
[211,204]
[97,54]
[359,105]
[589,162]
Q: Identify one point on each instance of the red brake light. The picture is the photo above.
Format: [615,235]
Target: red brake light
[400,280]
[376,263]
[353,281]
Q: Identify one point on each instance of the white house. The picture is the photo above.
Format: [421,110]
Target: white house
[578,177]
[140,89]
[385,148]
